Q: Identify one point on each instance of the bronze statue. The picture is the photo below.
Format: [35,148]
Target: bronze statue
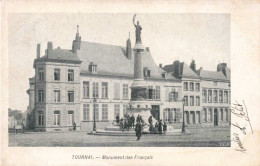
[138,29]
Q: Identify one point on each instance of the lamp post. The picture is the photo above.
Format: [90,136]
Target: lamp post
[183,122]
[94,125]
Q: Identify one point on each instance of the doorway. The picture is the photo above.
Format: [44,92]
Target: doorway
[155,111]
[215,117]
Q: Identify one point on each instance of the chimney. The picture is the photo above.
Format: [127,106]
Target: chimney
[74,47]
[193,65]
[49,48]
[38,51]
[177,69]
[160,65]
[147,49]
[128,48]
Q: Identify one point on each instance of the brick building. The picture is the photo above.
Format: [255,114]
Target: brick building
[67,81]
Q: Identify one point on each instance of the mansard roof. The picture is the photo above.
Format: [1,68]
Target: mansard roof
[214,75]
[112,60]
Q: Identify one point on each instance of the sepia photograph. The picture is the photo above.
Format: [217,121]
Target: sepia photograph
[124,83]
[127,80]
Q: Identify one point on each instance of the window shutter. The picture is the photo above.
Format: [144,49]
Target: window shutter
[167,91]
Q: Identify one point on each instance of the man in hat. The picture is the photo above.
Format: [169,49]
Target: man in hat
[138,130]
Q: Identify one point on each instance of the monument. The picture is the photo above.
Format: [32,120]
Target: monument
[138,104]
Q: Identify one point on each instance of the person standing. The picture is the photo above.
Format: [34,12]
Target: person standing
[74,126]
[150,120]
[117,118]
[160,127]
[164,128]
[132,121]
[138,130]
[138,119]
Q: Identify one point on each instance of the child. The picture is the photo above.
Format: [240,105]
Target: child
[164,128]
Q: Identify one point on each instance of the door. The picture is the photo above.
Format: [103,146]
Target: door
[215,117]
[155,111]
[187,117]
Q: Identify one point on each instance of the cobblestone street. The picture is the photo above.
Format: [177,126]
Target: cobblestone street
[196,138]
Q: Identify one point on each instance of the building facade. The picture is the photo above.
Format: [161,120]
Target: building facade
[71,86]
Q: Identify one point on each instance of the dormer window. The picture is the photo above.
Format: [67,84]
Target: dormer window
[92,67]
[147,72]
[163,75]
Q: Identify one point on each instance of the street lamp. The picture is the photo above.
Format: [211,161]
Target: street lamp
[183,122]
[94,125]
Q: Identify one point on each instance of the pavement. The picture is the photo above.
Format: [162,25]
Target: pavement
[203,137]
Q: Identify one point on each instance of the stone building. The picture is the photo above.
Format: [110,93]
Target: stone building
[206,93]
[92,78]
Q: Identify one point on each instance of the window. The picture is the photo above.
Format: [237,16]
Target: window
[185,86]
[225,97]
[104,89]
[85,89]
[191,86]
[125,91]
[70,118]
[150,92]
[197,101]
[56,118]
[104,112]
[86,112]
[56,74]
[94,68]
[40,118]
[204,96]
[56,96]
[165,115]
[191,100]
[124,109]
[170,115]
[204,114]
[221,114]
[210,114]
[157,92]
[70,96]
[186,100]
[95,89]
[148,73]
[226,110]
[210,96]
[40,96]
[70,75]
[197,87]
[215,83]
[215,96]
[116,110]
[221,96]
[198,116]
[173,96]
[117,91]
[95,111]
[41,74]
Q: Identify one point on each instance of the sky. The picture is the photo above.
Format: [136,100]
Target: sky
[202,37]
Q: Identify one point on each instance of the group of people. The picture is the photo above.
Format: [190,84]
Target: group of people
[137,123]
[159,128]
[128,122]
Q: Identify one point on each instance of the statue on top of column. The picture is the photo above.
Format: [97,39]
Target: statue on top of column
[138,29]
